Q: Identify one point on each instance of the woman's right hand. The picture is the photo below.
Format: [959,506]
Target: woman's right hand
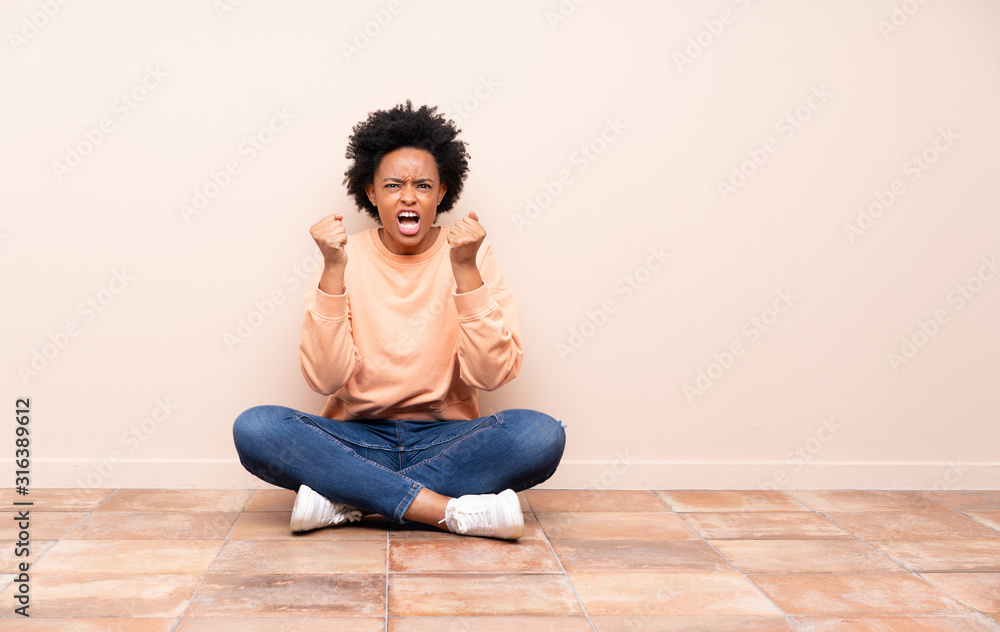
[331,237]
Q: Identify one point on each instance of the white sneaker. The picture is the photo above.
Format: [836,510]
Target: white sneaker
[312,510]
[491,515]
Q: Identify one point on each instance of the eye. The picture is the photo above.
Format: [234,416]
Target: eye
[425,185]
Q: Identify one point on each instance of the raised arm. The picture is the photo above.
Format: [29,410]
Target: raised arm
[489,343]
[327,353]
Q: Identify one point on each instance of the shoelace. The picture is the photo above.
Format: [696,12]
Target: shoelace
[336,510]
[472,518]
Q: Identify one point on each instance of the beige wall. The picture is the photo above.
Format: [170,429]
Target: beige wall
[698,320]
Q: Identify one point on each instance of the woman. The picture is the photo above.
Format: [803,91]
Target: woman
[406,323]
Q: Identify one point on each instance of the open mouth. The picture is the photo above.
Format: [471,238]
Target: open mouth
[409,222]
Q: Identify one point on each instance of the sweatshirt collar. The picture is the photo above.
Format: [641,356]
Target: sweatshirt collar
[426,255]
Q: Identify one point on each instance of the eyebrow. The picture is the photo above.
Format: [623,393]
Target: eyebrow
[400,180]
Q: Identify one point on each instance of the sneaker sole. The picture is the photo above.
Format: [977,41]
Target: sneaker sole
[514,504]
[299,509]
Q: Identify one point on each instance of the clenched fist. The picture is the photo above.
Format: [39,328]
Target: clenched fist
[331,237]
[465,237]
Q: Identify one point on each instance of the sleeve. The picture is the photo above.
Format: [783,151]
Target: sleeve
[327,353]
[489,340]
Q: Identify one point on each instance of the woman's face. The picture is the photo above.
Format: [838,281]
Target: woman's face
[407,192]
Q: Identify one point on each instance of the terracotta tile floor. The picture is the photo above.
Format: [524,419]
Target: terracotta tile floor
[157,560]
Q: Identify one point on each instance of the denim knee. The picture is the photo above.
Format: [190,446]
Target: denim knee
[545,434]
[250,429]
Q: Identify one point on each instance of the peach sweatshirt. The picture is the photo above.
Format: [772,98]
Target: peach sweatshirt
[399,343]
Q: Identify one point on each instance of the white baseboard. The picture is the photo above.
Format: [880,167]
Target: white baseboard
[621,473]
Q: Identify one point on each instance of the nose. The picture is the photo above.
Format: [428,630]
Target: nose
[409,195]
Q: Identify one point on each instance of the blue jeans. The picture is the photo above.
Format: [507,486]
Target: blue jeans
[381,465]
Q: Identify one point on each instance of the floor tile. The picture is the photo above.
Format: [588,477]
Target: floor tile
[597,525]
[471,555]
[455,594]
[106,595]
[55,499]
[954,623]
[966,500]
[489,624]
[98,625]
[676,594]
[977,590]
[594,500]
[46,525]
[989,518]
[263,557]
[335,594]
[9,549]
[865,500]
[805,556]
[847,595]
[721,500]
[273,525]
[192,500]
[128,557]
[942,556]
[761,525]
[897,525]
[596,556]
[278,623]
[133,525]
[271,500]
[661,623]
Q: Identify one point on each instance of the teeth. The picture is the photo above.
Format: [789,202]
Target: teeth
[409,214]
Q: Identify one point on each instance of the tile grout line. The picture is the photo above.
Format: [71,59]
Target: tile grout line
[952,509]
[209,567]
[387,580]
[719,553]
[74,527]
[925,580]
[900,562]
[561,567]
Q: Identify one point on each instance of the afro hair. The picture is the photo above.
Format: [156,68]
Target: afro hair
[388,130]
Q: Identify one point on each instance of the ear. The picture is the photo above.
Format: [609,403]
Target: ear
[370,191]
[443,190]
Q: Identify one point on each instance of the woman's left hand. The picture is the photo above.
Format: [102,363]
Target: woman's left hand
[464,238]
